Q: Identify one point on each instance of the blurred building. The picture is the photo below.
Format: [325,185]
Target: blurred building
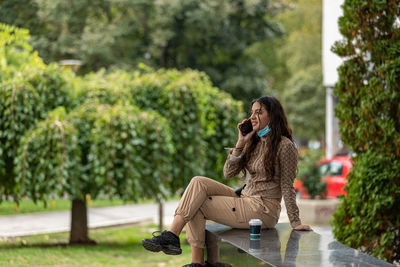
[330,62]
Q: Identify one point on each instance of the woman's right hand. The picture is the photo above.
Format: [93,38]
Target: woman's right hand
[242,140]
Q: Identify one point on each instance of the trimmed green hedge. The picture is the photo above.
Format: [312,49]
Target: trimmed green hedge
[48,158]
[130,153]
[116,125]
[202,119]
[368,110]
[26,99]
[126,135]
[123,154]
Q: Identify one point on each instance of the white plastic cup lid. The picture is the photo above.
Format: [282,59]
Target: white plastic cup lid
[255,222]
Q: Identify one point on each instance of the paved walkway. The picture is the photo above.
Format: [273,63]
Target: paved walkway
[59,221]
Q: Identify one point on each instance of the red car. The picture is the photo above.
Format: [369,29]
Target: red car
[333,171]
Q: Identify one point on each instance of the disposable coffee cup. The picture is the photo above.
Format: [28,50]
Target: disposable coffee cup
[255,229]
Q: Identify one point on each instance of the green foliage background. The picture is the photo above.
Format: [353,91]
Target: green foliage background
[368,110]
[309,174]
[120,134]
[294,67]
[248,48]
[28,91]
[202,119]
[122,155]
[211,36]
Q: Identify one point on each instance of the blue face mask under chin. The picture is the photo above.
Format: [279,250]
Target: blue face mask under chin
[264,131]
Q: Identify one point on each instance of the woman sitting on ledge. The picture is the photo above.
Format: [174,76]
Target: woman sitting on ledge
[268,154]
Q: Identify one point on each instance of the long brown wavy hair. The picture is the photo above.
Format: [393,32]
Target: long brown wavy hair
[279,127]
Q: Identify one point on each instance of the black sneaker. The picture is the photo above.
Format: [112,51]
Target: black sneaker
[193,265]
[217,264]
[166,241]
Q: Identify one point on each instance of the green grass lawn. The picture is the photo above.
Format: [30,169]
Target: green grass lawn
[28,206]
[115,247]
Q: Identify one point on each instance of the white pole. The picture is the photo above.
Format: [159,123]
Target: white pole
[331,11]
[329,123]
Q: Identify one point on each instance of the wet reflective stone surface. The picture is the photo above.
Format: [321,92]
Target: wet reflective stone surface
[282,246]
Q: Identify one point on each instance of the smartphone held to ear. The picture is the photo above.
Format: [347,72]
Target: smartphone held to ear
[246,128]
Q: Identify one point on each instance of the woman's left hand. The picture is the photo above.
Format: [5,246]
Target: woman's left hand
[303,227]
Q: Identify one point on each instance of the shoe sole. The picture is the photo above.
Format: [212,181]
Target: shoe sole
[154,248]
[150,246]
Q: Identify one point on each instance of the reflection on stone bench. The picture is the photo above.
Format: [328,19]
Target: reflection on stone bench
[282,246]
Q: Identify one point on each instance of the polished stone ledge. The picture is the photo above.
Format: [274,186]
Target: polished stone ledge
[282,246]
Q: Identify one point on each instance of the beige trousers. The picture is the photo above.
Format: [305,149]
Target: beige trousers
[206,199]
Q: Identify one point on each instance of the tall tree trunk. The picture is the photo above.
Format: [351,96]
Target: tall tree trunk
[16,203]
[79,225]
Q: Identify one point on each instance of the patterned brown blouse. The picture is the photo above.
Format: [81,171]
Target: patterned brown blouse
[282,183]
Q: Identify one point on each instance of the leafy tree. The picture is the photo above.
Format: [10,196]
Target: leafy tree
[15,52]
[294,68]
[124,155]
[21,13]
[368,218]
[25,98]
[211,36]
[61,134]
[202,118]
[118,150]
[305,103]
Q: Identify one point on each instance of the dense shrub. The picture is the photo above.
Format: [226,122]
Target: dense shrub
[310,175]
[61,134]
[368,218]
[100,88]
[26,99]
[130,153]
[202,119]
[96,149]
[176,96]
[48,158]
